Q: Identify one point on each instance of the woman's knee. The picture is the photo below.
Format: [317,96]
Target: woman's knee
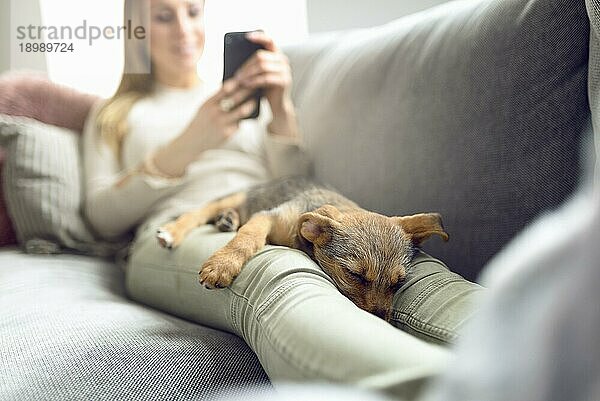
[275,287]
[434,303]
[275,267]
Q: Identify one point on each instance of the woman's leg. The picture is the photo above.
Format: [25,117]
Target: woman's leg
[287,310]
[434,303]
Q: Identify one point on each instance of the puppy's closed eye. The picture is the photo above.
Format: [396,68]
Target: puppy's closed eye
[358,278]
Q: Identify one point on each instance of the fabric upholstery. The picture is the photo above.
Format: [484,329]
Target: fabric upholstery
[593,7]
[474,109]
[67,332]
[42,184]
[30,94]
[7,232]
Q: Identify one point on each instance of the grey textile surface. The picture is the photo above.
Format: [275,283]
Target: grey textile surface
[435,111]
[41,181]
[593,7]
[67,332]
[475,109]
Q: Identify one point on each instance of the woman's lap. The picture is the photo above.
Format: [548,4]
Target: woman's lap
[290,313]
[434,303]
[168,279]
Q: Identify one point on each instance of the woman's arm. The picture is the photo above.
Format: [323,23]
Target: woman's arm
[209,129]
[284,154]
[270,70]
[115,199]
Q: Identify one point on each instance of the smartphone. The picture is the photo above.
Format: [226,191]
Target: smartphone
[237,50]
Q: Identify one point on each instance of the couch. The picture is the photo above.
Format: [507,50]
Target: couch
[477,109]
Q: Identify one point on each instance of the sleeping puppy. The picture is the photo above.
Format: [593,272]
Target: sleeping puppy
[365,253]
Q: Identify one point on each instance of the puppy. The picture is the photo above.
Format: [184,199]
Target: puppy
[366,254]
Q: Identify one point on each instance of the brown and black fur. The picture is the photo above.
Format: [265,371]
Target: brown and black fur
[366,254]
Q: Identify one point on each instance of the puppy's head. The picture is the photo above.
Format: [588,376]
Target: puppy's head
[366,254]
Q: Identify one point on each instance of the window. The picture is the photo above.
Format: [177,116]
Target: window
[97,68]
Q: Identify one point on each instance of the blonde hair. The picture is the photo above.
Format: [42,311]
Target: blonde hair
[111,119]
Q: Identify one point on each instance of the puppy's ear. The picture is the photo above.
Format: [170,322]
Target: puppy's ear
[422,226]
[329,211]
[315,227]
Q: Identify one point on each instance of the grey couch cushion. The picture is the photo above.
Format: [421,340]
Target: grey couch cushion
[67,332]
[593,7]
[475,109]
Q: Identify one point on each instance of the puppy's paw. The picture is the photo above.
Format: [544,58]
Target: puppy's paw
[221,269]
[228,220]
[212,277]
[168,236]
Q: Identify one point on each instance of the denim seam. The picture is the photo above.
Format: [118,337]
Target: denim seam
[284,353]
[282,348]
[435,261]
[419,325]
[233,307]
[233,312]
[429,290]
[305,371]
[275,295]
[427,329]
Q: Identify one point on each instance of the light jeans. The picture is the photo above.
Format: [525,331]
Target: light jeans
[293,317]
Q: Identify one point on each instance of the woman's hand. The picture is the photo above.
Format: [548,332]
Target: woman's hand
[269,69]
[215,122]
[219,117]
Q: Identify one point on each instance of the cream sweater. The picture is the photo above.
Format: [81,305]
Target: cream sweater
[250,156]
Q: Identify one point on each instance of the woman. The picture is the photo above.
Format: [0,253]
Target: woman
[164,144]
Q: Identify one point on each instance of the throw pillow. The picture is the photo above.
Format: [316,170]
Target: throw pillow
[32,94]
[42,185]
[7,232]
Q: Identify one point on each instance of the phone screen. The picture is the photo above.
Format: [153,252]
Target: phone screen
[237,50]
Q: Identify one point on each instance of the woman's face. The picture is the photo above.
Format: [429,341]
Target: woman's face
[177,36]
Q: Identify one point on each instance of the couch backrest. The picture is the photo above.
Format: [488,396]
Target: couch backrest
[476,109]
